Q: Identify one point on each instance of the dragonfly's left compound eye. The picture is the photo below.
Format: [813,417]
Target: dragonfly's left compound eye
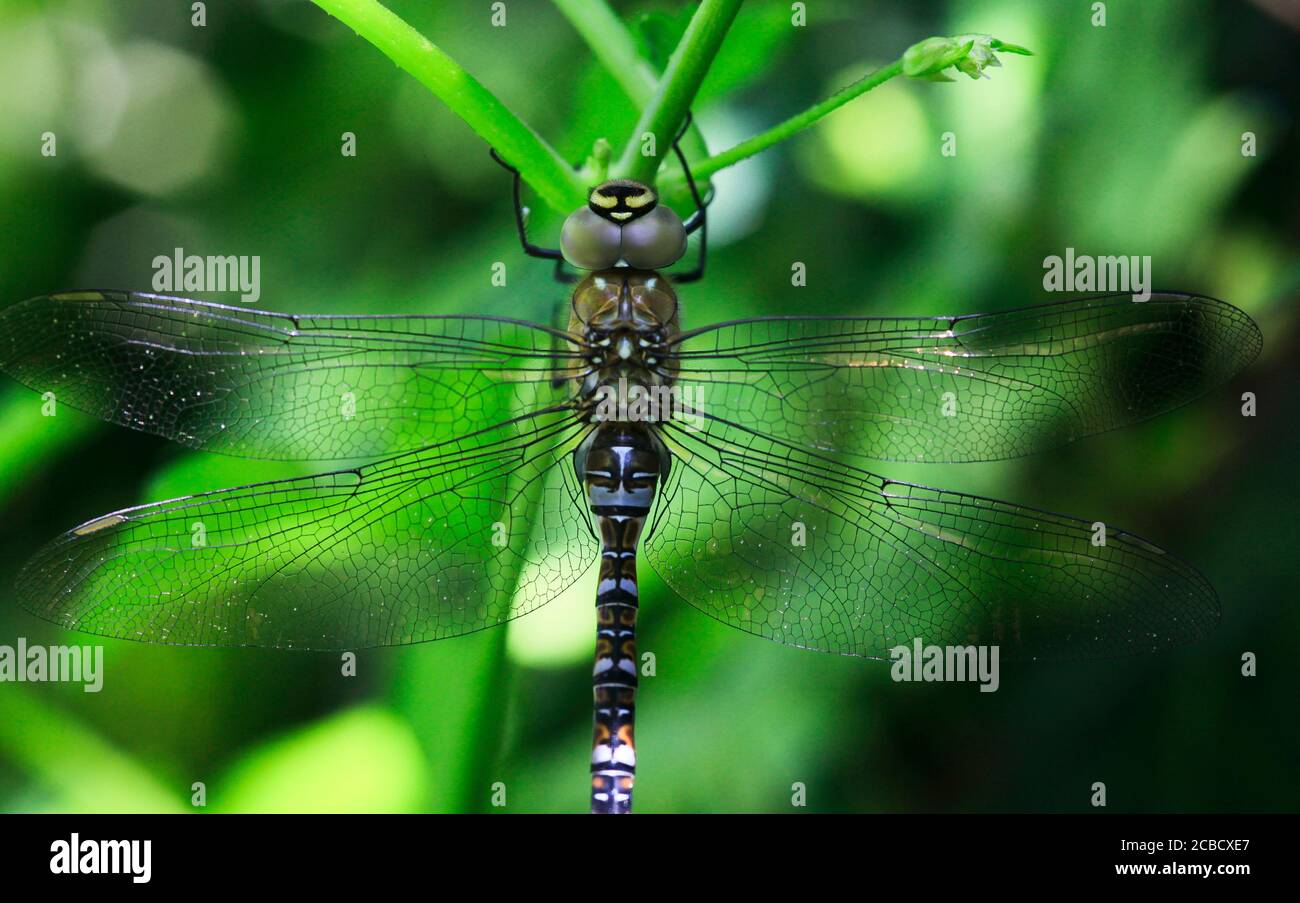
[590,242]
[654,241]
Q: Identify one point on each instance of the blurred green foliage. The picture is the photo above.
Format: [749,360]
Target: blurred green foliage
[225,139]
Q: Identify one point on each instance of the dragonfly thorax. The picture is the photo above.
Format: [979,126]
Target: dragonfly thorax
[625,318]
[610,300]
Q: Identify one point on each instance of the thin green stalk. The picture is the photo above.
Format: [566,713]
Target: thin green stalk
[933,59]
[538,162]
[686,69]
[762,141]
[612,44]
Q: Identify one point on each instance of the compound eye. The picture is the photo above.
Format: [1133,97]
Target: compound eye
[589,242]
[654,241]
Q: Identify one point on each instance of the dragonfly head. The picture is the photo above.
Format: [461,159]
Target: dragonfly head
[623,221]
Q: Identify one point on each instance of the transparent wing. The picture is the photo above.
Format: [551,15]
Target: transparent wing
[418,547]
[265,385]
[810,552]
[968,388]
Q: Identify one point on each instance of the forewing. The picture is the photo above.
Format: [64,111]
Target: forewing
[265,385]
[811,552]
[970,388]
[418,547]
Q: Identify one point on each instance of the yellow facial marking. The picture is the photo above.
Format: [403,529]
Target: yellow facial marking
[603,200]
[637,201]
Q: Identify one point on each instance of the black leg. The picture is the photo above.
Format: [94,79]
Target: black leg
[530,249]
[561,275]
[697,221]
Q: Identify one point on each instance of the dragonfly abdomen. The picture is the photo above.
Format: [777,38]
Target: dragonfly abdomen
[621,472]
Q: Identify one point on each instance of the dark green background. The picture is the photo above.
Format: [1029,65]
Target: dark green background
[225,140]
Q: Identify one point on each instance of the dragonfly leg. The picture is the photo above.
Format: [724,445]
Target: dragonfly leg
[697,221]
[530,249]
[561,275]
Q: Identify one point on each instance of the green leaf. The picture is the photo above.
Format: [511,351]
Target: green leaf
[537,161]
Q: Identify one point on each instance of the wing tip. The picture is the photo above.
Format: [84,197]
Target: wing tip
[1246,339]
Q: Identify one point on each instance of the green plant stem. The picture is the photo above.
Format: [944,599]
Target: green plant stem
[612,44]
[681,80]
[703,169]
[539,164]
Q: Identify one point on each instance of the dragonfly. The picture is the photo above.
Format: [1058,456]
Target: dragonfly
[504,459]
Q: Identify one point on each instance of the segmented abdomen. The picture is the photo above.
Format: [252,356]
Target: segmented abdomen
[621,474]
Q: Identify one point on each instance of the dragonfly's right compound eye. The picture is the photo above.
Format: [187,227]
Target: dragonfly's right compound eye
[589,241]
